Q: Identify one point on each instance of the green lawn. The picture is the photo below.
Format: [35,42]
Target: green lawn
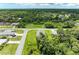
[48,34]
[15,38]
[9,49]
[34,26]
[30,46]
[19,31]
[6,26]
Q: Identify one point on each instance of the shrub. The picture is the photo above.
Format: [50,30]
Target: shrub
[49,25]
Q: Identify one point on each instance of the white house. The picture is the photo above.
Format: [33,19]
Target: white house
[3,41]
[7,33]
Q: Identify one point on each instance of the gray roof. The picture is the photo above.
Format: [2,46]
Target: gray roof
[3,41]
[7,33]
[14,24]
[3,23]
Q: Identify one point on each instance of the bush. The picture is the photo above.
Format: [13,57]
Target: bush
[21,25]
[68,24]
[49,25]
[4,37]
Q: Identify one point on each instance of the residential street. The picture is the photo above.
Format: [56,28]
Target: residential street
[21,45]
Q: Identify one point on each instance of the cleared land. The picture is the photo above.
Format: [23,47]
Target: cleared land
[30,46]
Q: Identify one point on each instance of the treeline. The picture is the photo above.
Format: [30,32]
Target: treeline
[66,42]
[39,16]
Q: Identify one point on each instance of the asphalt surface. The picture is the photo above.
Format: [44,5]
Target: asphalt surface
[21,45]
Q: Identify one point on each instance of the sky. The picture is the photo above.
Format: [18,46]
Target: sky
[39,5]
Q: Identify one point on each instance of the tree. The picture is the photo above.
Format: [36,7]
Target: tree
[64,43]
[21,25]
[49,25]
[69,24]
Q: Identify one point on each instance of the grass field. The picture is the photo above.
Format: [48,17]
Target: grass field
[30,46]
[9,49]
[15,38]
[19,31]
[34,26]
[5,26]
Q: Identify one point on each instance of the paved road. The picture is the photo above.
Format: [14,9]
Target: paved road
[21,45]
[31,28]
[13,42]
[19,34]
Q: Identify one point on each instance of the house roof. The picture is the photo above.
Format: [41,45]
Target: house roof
[7,32]
[3,41]
[14,24]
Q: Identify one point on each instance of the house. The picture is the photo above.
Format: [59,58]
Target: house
[14,24]
[61,16]
[3,23]
[3,41]
[77,24]
[7,32]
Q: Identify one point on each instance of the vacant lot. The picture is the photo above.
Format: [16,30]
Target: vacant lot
[30,46]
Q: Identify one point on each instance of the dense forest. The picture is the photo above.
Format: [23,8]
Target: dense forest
[46,18]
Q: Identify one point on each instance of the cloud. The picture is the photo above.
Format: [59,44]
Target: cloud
[25,4]
[48,4]
[69,4]
[39,5]
[44,4]
[33,4]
